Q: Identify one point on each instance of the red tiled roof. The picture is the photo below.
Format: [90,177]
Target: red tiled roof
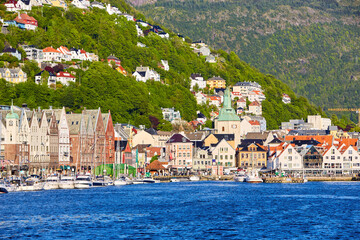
[64,74]
[156,165]
[254,122]
[50,49]
[320,138]
[23,18]
[254,103]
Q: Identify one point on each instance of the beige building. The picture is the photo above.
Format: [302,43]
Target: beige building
[143,137]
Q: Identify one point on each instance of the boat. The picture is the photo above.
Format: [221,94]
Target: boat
[67,182]
[52,182]
[32,184]
[100,182]
[122,181]
[3,189]
[179,180]
[240,177]
[194,178]
[143,181]
[253,178]
[82,182]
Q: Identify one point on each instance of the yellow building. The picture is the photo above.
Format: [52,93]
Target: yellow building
[216,82]
[15,75]
[58,3]
[252,155]
[215,138]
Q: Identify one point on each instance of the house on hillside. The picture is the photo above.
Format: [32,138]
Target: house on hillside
[13,75]
[170,114]
[12,6]
[24,21]
[164,64]
[50,81]
[197,79]
[82,4]
[33,53]
[255,108]
[65,78]
[286,98]
[12,51]
[114,59]
[52,55]
[143,74]
[216,82]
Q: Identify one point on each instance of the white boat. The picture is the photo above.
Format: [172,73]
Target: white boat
[143,181]
[240,177]
[32,184]
[67,182]
[3,188]
[82,182]
[100,182]
[52,182]
[179,180]
[253,179]
[122,181]
[194,178]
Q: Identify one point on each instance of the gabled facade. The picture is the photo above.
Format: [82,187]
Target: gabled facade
[224,154]
[179,151]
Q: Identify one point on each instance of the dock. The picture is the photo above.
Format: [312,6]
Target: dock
[283,180]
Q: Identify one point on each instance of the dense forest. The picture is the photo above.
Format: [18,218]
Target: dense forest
[99,85]
[312,45]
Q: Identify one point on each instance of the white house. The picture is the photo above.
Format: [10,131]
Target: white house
[170,114]
[143,74]
[246,87]
[82,4]
[288,159]
[256,95]
[241,103]
[318,122]
[97,5]
[200,98]
[332,158]
[52,55]
[65,78]
[165,65]
[197,79]
[255,108]
[205,51]
[245,127]
[51,79]
[350,157]
[286,98]
[12,6]
[33,53]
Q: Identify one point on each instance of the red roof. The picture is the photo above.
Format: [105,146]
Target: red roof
[254,122]
[50,49]
[255,103]
[241,100]
[64,74]
[25,19]
[320,138]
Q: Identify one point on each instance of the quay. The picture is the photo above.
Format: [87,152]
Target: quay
[282,180]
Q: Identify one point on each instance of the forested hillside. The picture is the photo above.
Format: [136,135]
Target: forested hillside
[312,45]
[98,85]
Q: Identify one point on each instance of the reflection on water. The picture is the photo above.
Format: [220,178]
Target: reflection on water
[187,210]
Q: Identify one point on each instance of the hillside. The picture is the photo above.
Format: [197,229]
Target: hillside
[313,45]
[98,85]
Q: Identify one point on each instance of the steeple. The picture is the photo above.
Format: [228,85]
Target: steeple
[12,115]
[227,113]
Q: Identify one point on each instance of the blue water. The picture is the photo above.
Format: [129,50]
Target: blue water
[192,210]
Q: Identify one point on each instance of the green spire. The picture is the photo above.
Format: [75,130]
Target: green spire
[227,113]
[12,115]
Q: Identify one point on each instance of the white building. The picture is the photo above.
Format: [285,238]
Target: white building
[65,78]
[200,98]
[318,122]
[286,98]
[33,53]
[143,74]
[197,79]
[255,108]
[224,154]
[170,114]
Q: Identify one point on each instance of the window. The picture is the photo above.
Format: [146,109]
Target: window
[289,150]
[290,158]
[231,157]
[332,151]
[188,154]
[350,151]
[226,157]
[221,157]
[332,157]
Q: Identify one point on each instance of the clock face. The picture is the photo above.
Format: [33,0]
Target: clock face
[234,126]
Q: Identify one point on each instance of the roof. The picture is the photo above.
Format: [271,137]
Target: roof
[259,148]
[196,136]
[255,103]
[216,78]
[227,137]
[111,57]
[23,18]
[141,147]
[9,49]
[64,74]
[254,122]
[275,140]
[201,115]
[178,138]
[253,135]
[50,49]
[328,139]
[156,165]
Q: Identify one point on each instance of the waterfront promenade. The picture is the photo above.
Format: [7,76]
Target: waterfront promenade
[189,210]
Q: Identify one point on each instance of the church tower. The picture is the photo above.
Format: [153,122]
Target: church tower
[228,122]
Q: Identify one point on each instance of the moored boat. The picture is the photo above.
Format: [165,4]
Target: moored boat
[122,181]
[194,178]
[179,180]
[82,182]
[253,179]
[67,182]
[51,182]
[240,177]
[143,181]
[99,181]
[32,184]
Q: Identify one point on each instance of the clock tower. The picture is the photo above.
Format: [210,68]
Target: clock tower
[228,122]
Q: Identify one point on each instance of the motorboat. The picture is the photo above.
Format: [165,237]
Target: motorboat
[179,180]
[67,182]
[32,184]
[3,189]
[109,180]
[143,181]
[100,181]
[194,178]
[253,177]
[82,182]
[122,181]
[51,182]
[240,177]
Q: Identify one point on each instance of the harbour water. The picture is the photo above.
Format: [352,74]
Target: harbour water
[186,210]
